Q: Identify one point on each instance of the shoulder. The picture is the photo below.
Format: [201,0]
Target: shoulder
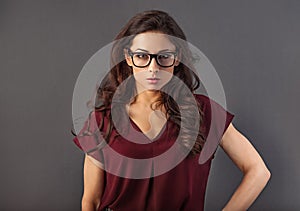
[215,115]
[94,121]
[201,98]
[100,114]
[209,105]
[204,103]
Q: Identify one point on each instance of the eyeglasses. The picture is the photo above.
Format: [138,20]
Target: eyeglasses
[142,59]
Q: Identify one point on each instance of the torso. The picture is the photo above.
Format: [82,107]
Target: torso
[136,173]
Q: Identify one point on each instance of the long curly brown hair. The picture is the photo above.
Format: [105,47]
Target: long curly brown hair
[161,22]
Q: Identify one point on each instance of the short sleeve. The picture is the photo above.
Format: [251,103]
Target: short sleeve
[215,122]
[90,138]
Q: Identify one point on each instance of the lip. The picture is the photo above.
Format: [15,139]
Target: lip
[153,80]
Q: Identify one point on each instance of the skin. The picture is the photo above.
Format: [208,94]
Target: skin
[235,145]
[247,159]
[93,181]
[149,121]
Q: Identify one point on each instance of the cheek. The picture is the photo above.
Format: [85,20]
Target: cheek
[166,76]
[139,74]
[137,70]
[169,70]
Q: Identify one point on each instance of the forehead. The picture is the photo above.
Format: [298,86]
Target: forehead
[152,42]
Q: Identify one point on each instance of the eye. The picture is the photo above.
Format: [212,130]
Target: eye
[141,56]
[164,56]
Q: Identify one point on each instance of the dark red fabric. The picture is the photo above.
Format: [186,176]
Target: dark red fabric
[181,188]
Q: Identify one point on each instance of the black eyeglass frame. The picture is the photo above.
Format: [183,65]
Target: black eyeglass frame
[131,54]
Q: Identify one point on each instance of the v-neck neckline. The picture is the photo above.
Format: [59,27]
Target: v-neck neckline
[156,137]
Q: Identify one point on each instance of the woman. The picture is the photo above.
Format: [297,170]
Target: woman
[142,111]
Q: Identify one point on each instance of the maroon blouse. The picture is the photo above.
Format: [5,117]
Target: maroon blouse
[181,188]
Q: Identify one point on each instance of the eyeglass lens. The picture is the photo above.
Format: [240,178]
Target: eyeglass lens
[163,59]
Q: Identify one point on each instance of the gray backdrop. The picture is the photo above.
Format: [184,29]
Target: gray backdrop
[254,46]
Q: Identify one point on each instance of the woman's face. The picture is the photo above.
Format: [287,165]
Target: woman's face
[152,76]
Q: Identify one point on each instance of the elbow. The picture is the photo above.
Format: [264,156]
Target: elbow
[261,173]
[88,204]
[264,173]
[267,174]
[264,176]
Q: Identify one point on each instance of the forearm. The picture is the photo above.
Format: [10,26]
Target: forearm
[251,186]
[93,185]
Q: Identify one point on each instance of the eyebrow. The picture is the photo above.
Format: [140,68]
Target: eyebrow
[164,50]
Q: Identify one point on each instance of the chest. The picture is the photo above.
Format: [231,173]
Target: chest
[150,122]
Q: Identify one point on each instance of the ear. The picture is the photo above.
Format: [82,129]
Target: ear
[128,58]
[177,60]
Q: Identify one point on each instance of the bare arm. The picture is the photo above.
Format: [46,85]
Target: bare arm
[93,184]
[247,159]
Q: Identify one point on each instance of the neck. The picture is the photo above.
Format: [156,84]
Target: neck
[147,97]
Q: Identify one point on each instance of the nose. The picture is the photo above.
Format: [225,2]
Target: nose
[153,66]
